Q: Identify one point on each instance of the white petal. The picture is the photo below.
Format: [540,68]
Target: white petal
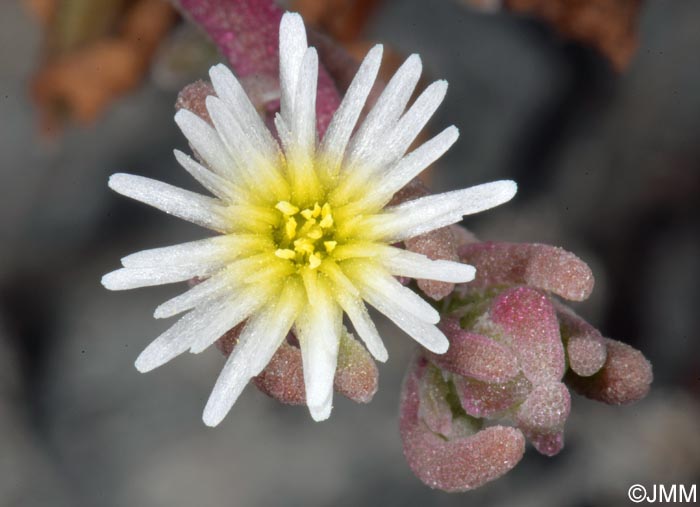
[283,132]
[376,281]
[415,217]
[406,169]
[258,170]
[301,149]
[414,265]
[349,299]
[234,96]
[211,288]
[303,124]
[426,334]
[206,142]
[217,185]
[216,250]
[389,107]
[292,48]
[258,342]
[318,330]
[238,309]
[195,208]
[340,128]
[211,320]
[363,324]
[423,332]
[132,278]
[411,123]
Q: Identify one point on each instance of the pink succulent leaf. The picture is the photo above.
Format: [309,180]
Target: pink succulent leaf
[356,376]
[462,236]
[549,444]
[247,34]
[434,409]
[585,346]
[460,463]
[545,409]
[527,316]
[475,355]
[541,266]
[625,377]
[482,399]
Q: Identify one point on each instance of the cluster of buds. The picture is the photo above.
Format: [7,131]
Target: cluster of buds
[515,351]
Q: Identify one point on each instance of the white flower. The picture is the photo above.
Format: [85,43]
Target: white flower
[305,230]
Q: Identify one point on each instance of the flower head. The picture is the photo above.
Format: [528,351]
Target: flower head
[305,230]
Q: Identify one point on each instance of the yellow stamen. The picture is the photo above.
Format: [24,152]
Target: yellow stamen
[287,208]
[314,260]
[307,214]
[317,210]
[303,245]
[290,227]
[330,245]
[285,253]
[326,210]
[315,233]
[327,221]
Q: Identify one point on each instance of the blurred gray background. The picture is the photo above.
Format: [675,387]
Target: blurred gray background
[608,167]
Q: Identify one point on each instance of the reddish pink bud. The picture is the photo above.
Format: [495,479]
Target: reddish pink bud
[584,344]
[356,376]
[229,340]
[624,378]
[542,266]
[461,463]
[542,416]
[283,377]
[549,444]
[527,317]
[474,355]
[481,399]
[193,98]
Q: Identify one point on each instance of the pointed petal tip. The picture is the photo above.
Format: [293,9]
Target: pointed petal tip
[219,69]
[211,419]
[508,188]
[440,346]
[214,411]
[117,180]
[414,58]
[320,413]
[144,363]
[291,17]
[161,313]
[106,281]
[292,25]
[181,116]
[377,48]
[467,273]
[114,280]
[381,355]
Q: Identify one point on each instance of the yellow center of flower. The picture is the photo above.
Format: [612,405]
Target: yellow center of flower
[305,236]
